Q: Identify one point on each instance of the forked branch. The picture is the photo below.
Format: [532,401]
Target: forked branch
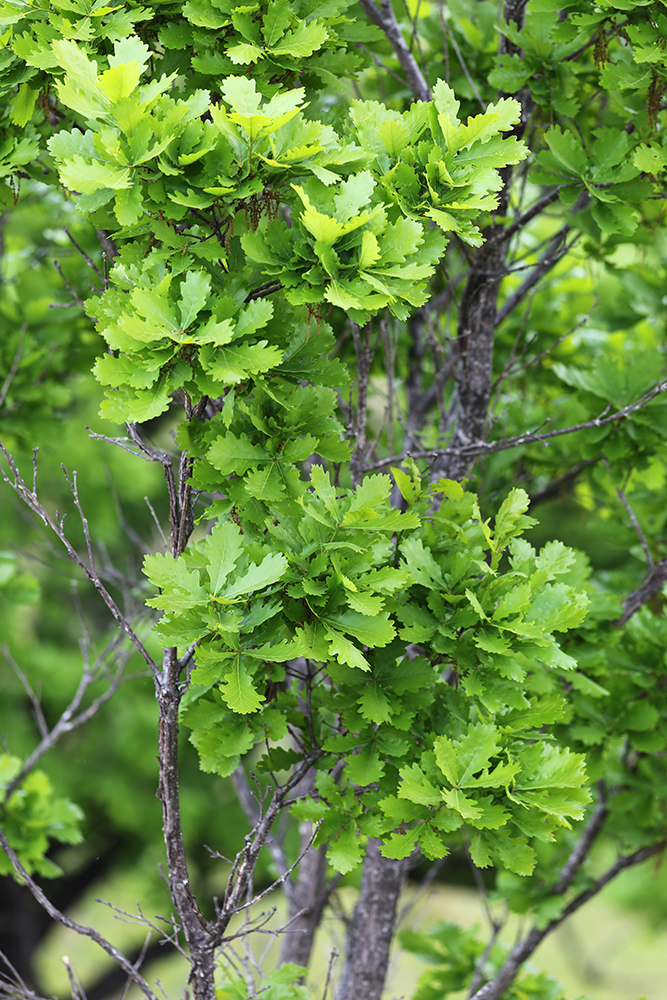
[30,498]
[61,918]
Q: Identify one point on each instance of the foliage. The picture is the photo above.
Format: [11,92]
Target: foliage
[312,292]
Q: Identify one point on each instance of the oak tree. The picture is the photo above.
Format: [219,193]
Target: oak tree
[390,276]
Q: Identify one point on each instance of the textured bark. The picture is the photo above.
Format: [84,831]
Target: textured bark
[649,589]
[307,898]
[478,311]
[372,928]
[474,344]
[198,934]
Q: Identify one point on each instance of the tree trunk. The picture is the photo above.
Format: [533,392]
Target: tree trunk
[372,928]
[307,898]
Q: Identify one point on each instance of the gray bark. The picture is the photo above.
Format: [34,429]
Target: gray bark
[307,898]
[372,928]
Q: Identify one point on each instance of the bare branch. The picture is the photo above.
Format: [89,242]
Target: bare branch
[495,989]
[251,808]
[649,589]
[72,925]
[365,353]
[530,437]
[72,717]
[583,845]
[30,498]
[446,30]
[528,216]
[385,19]
[557,486]
[91,264]
[14,367]
[77,300]
[245,862]
[557,249]
[32,696]
[636,525]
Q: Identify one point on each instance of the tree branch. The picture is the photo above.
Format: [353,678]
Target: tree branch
[61,918]
[521,953]
[385,19]
[553,256]
[530,437]
[29,497]
[649,589]
[71,718]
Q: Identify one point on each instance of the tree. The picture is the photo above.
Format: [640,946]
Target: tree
[369,324]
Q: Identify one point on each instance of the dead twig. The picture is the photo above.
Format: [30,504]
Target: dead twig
[61,918]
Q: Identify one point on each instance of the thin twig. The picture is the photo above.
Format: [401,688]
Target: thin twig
[649,589]
[72,925]
[71,718]
[77,299]
[332,958]
[14,367]
[495,989]
[530,437]
[85,256]
[582,847]
[30,498]
[385,19]
[636,525]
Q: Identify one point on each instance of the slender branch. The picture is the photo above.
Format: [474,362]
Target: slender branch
[29,497]
[495,989]
[251,808]
[383,66]
[385,19]
[583,845]
[198,932]
[14,367]
[75,296]
[61,918]
[71,718]
[636,525]
[459,55]
[244,866]
[557,250]
[557,486]
[91,264]
[649,589]
[32,696]
[529,437]
[528,216]
[478,974]
[365,353]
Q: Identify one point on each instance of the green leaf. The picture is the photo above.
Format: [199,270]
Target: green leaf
[509,520]
[365,767]
[345,851]
[269,571]
[223,547]
[460,761]
[238,691]
[376,707]
[195,290]
[181,588]
[230,453]
[377,631]
[416,787]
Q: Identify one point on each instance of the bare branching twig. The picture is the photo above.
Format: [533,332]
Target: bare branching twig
[61,918]
[30,498]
